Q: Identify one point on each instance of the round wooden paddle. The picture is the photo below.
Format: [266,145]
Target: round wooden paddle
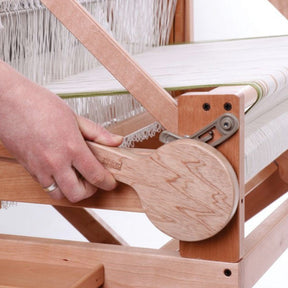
[187,188]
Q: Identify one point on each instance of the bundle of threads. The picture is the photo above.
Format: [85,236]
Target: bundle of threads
[34,42]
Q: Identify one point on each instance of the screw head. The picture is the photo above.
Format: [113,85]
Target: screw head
[227,106]
[206,106]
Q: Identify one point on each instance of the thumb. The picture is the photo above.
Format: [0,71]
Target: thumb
[96,133]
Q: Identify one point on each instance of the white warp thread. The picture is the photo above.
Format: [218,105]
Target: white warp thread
[259,62]
[262,63]
[34,42]
[107,110]
[141,135]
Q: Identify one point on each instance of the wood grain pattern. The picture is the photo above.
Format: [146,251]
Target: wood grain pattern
[119,63]
[125,267]
[228,244]
[187,188]
[24,274]
[182,29]
[16,184]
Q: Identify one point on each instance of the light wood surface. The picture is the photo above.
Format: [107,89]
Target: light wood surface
[125,267]
[172,245]
[30,191]
[25,274]
[189,30]
[132,124]
[16,184]
[264,245]
[226,245]
[263,189]
[149,93]
[187,188]
[182,30]
[260,178]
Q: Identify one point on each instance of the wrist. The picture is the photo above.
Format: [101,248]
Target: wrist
[9,79]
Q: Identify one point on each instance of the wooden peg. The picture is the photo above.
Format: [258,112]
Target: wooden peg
[187,188]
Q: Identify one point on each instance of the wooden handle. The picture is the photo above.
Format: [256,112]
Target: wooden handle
[120,162]
[187,188]
[149,93]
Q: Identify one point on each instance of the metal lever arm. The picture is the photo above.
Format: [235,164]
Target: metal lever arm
[226,125]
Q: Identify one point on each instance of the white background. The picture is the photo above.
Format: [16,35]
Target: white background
[214,19]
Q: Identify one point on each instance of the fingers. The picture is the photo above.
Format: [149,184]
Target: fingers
[77,180]
[73,187]
[93,171]
[70,185]
[56,193]
[50,187]
[66,166]
[95,132]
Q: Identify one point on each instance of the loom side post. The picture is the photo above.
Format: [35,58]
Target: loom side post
[193,115]
[182,30]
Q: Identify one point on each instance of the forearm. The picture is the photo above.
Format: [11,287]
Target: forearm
[8,79]
[20,99]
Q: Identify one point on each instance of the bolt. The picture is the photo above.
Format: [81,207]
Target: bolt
[227,106]
[206,106]
[227,123]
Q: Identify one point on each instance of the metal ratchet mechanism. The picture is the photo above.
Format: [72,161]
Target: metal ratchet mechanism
[226,125]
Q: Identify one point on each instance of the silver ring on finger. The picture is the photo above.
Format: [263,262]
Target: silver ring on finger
[50,188]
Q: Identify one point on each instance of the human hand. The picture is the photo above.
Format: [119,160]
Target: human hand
[48,139]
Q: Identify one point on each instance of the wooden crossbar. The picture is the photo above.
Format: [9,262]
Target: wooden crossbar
[25,273]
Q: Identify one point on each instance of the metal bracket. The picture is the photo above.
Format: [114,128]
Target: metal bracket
[226,125]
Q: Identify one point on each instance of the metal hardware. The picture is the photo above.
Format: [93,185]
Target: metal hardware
[226,125]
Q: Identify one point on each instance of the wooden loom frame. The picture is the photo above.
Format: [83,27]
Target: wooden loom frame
[226,260]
